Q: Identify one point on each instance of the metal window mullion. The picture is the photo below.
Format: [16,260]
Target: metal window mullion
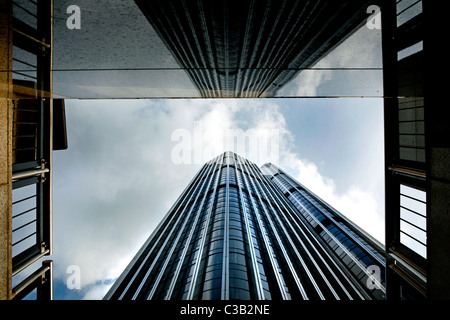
[244,49]
[413,212]
[190,54]
[40,212]
[40,189]
[314,248]
[23,212]
[329,215]
[207,38]
[283,249]
[271,195]
[263,85]
[23,239]
[280,55]
[25,10]
[205,232]
[314,217]
[284,180]
[414,238]
[225,292]
[254,57]
[302,229]
[180,52]
[412,198]
[256,275]
[24,225]
[25,75]
[406,8]
[177,239]
[27,64]
[338,242]
[264,236]
[191,233]
[322,258]
[413,225]
[203,75]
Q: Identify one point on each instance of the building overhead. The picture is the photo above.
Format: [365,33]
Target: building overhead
[248,48]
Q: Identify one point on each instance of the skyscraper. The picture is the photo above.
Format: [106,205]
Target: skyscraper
[356,249]
[234,233]
[248,48]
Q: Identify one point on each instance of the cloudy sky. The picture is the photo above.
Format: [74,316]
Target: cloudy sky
[118,178]
[121,173]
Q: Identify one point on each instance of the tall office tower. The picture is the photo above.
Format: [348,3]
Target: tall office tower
[233,234]
[251,48]
[357,250]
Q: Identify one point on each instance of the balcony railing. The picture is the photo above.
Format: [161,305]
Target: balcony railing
[406,158]
[31,147]
[40,280]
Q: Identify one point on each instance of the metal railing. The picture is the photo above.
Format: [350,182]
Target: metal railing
[30,234]
[40,280]
[405,143]
[31,147]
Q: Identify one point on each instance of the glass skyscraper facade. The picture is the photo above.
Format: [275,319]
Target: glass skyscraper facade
[237,232]
[356,249]
[248,48]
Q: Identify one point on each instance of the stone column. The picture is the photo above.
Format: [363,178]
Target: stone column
[5,147]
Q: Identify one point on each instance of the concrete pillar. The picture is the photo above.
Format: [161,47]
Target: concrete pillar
[5,147]
[438,155]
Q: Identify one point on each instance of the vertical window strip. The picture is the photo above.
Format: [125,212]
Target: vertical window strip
[226,237]
[191,233]
[190,296]
[195,208]
[331,214]
[273,194]
[300,206]
[280,283]
[283,249]
[251,244]
[339,243]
